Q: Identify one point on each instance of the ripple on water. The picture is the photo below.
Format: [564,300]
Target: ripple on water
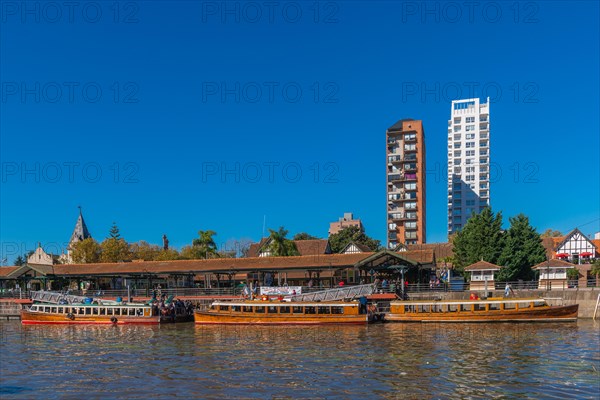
[380,361]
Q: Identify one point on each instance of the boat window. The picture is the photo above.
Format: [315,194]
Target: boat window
[224,308]
[61,310]
[95,310]
[524,305]
[422,308]
[437,308]
[337,310]
[297,310]
[272,310]
[102,311]
[88,311]
[213,307]
[248,309]
[452,308]
[323,310]
[109,311]
[132,311]
[411,308]
[539,303]
[510,306]
[309,310]
[46,309]
[465,307]
[33,308]
[284,310]
[117,311]
[479,307]
[259,310]
[494,307]
[236,308]
[54,310]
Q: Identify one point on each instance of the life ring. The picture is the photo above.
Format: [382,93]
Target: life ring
[70,316]
[113,320]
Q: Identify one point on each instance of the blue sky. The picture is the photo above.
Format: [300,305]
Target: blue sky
[135,111]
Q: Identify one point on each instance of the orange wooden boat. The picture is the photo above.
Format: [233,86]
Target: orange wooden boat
[489,310]
[90,314]
[285,313]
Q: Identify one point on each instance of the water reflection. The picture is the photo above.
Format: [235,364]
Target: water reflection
[378,361]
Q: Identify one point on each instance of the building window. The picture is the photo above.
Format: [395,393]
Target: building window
[470,136]
[482,160]
[470,202]
[470,178]
[483,185]
[457,161]
[470,119]
[470,153]
[469,128]
[470,144]
[410,186]
[457,120]
[470,169]
[410,235]
[457,145]
[483,152]
[456,153]
[411,225]
[469,161]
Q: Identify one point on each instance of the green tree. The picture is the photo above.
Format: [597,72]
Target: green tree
[522,249]
[20,260]
[551,233]
[280,246]
[339,240]
[304,236]
[480,239]
[595,270]
[86,251]
[144,251]
[169,254]
[114,232]
[204,245]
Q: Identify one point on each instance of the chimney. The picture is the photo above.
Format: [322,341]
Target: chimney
[165,242]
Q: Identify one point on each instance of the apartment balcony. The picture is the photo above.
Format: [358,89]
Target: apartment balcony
[410,139]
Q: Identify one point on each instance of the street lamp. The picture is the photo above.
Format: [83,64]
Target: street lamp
[402,269]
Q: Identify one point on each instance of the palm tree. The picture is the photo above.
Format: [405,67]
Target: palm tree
[280,245]
[205,244]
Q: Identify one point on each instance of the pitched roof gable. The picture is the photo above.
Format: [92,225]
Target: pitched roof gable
[553,263]
[482,266]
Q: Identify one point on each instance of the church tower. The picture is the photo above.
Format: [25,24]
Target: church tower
[80,233]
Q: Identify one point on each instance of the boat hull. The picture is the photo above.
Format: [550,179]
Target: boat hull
[543,314]
[207,318]
[32,318]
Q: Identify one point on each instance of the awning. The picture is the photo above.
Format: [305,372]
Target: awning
[562,255]
[586,254]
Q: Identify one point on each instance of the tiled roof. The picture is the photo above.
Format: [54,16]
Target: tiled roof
[482,265]
[5,271]
[553,263]
[305,247]
[311,247]
[222,265]
[441,250]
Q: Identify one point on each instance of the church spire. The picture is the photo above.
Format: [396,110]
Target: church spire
[81,231]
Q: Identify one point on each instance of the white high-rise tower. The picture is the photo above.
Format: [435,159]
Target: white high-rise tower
[468,161]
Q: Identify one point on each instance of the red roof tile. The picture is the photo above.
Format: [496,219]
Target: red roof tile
[482,265]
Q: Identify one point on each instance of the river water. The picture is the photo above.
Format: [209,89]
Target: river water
[386,361]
